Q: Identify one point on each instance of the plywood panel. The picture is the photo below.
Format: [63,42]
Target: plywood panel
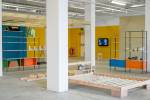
[36,43]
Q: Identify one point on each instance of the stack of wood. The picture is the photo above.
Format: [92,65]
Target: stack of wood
[34,77]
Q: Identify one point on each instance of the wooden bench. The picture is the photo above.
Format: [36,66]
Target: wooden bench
[119,85]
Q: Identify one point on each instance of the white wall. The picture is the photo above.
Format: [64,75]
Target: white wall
[103,20]
[147,28]
[131,23]
[107,20]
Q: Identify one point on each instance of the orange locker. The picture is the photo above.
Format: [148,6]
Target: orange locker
[135,64]
[29,62]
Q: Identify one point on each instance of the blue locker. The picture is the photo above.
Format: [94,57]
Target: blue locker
[117,63]
[13,41]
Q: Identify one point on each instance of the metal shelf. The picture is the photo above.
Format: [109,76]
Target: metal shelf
[20,42]
[33,46]
[11,31]
[23,50]
[20,37]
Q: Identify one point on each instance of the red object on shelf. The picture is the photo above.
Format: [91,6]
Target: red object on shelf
[29,62]
[13,64]
[135,64]
[72,51]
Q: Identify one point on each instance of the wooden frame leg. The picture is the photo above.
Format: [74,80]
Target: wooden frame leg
[148,87]
[119,93]
[115,93]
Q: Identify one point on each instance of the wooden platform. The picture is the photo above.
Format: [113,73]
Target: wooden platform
[118,84]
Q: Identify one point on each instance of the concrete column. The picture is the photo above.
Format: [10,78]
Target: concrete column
[90,32]
[82,44]
[147,28]
[1,57]
[57,45]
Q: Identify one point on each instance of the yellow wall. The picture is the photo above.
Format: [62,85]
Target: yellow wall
[101,32]
[39,41]
[107,32]
[74,41]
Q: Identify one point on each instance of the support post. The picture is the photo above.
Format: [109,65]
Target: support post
[90,32]
[148,87]
[147,28]
[57,45]
[119,93]
[1,51]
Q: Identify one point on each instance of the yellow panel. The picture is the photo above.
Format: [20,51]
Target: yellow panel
[107,32]
[74,41]
[37,42]
[101,32]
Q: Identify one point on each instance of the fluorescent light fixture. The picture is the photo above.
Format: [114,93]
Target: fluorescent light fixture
[75,7]
[137,5]
[118,3]
[108,8]
[36,1]
[99,10]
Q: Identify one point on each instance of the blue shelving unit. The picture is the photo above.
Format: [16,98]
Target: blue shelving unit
[14,43]
[117,63]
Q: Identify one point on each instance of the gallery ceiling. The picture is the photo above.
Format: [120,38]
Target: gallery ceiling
[76,8]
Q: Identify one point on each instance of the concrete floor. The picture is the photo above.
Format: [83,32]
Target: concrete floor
[11,88]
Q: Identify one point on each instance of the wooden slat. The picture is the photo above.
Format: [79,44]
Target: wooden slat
[80,63]
[119,86]
[122,77]
[89,84]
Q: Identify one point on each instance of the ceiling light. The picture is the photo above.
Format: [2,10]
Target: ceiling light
[17,9]
[36,1]
[99,10]
[118,3]
[137,5]
[107,8]
[75,7]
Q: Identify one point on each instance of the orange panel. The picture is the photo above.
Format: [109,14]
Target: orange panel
[29,61]
[13,64]
[135,64]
